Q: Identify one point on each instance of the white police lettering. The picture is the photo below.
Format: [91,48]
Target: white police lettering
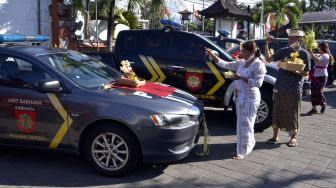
[142,94]
[25,108]
[25,101]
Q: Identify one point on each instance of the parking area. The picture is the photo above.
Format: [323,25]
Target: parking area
[311,164]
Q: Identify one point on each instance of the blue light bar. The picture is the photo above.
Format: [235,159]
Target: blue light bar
[22,38]
[171,23]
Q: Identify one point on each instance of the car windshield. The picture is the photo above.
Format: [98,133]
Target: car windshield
[82,69]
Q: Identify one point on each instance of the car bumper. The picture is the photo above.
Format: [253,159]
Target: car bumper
[167,145]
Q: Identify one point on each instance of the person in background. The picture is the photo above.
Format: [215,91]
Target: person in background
[331,74]
[250,73]
[319,77]
[287,88]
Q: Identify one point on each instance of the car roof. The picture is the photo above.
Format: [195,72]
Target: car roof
[263,39]
[33,50]
[223,38]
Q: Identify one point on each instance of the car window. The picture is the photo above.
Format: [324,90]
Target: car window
[273,46]
[16,72]
[130,41]
[283,43]
[332,47]
[154,44]
[82,69]
[188,47]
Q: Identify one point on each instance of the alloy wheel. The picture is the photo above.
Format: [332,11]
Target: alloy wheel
[110,151]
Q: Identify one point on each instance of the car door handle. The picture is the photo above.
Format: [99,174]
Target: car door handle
[176,67]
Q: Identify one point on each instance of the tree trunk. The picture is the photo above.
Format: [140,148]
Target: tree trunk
[110,26]
[276,30]
[87,20]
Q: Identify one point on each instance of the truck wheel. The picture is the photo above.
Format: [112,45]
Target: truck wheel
[264,114]
[111,150]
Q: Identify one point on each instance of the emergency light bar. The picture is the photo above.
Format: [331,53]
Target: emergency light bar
[171,23]
[22,38]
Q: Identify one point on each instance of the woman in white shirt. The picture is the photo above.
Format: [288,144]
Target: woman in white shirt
[250,73]
[320,76]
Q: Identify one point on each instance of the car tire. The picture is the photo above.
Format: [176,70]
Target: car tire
[264,114]
[111,149]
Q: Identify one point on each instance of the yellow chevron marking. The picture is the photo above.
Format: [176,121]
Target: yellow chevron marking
[155,76]
[158,70]
[66,124]
[220,82]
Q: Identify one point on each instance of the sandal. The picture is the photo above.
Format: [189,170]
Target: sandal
[271,141]
[239,157]
[292,143]
[312,112]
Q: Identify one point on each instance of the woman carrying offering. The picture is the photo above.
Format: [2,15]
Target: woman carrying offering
[320,76]
[250,72]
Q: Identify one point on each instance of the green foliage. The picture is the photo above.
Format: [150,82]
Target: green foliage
[322,5]
[283,8]
[152,10]
[119,17]
[208,25]
[192,27]
[103,9]
[77,5]
[131,18]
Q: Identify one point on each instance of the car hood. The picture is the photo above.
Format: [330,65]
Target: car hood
[154,96]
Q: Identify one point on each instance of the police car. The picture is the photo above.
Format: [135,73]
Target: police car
[177,58]
[54,99]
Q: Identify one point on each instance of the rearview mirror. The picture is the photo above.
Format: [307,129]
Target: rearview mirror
[53,86]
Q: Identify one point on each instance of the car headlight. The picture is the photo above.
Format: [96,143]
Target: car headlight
[171,119]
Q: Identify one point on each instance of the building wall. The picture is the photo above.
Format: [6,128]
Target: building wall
[226,24]
[20,16]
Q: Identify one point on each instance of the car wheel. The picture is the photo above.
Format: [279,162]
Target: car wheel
[264,114]
[112,150]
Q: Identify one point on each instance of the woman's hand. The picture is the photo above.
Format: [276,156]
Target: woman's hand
[240,77]
[211,54]
[268,39]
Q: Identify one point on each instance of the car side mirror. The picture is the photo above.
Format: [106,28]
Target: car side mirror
[53,86]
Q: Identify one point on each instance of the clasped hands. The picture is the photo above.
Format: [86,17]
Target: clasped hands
[240,77]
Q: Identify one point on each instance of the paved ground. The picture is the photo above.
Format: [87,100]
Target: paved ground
[311,164]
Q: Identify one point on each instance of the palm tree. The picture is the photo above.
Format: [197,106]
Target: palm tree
[283,8]
[156,12]
[153,11]
[107,11]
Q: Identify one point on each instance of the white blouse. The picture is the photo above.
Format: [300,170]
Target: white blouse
[255,74]
[322,65]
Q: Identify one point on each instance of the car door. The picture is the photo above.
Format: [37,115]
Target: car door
[148,51]
[191,70]
[28,117]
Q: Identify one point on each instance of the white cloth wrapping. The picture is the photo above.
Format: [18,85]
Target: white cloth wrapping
[323,61]
[247,100]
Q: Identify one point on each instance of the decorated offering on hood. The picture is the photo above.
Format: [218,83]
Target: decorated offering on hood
[126,69]
[129,78]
